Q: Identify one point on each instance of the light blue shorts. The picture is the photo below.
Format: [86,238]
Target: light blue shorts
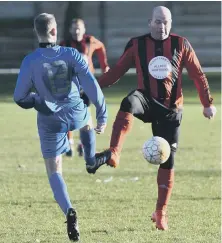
[53,129]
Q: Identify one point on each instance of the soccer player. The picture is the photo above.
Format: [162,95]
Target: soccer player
[87,45]
[159,58]
[56,74]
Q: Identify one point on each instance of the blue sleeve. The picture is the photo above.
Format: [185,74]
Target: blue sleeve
[90,86]
[22,95]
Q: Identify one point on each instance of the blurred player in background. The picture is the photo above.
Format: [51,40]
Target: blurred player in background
[159,58]
[87,45]
[57,73]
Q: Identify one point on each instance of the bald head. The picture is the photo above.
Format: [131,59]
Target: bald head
[161,23]
[161,12]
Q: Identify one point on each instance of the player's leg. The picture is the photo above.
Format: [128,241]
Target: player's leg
[165,177]
[70,153]
[80,147]
[135,104]
[130,106]
[57,183]
[59,188]
[88,140]
[54,142]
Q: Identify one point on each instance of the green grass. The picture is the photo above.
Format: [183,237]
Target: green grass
[117,211]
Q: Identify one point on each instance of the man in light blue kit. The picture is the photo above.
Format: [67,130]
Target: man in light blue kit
[56,74]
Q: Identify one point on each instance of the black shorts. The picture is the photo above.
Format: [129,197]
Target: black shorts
[141,107]
[165,122]
[85,98]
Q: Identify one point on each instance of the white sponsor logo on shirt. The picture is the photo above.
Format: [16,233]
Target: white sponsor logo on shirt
[160,67]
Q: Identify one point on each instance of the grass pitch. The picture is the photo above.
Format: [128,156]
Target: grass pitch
[115,205]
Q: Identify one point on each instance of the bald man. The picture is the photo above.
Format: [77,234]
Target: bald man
[159,58]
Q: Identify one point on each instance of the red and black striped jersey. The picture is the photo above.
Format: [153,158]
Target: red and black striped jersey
[159,66]
[88,46]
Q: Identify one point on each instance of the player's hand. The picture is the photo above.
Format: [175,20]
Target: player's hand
[106,69]
[210,112]
[32,94]
[100,128]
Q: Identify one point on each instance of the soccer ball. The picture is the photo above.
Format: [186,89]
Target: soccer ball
[156,150]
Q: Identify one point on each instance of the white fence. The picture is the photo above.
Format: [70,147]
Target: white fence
[9,71]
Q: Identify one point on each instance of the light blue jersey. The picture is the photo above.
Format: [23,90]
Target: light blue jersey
[57,73]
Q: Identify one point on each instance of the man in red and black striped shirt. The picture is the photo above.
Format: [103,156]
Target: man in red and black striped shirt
[87,45]
[159,58]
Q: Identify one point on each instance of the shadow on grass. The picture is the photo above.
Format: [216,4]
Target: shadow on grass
[119,230]
[100,231]
[36,203]
[190,198]
[180,173]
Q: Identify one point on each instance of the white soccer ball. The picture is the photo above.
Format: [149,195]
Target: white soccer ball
[156,150]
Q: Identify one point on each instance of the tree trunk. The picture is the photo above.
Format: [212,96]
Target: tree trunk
[74,10]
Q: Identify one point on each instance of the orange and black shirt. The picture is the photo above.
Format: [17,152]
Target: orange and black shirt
[159,66]
[88,46]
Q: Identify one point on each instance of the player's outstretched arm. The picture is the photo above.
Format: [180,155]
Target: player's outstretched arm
[195,72]
[125,62]
[22,95]
[101,54]
[90,87]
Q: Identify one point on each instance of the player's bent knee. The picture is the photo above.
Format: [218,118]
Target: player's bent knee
[89,125]
[53,165]
[169,164]
[125,105]
[173,147]
[128,104]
